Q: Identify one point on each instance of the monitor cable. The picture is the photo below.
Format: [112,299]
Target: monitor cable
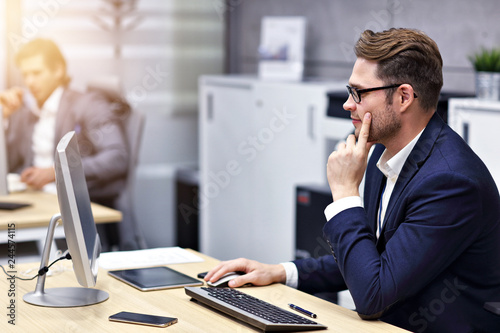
[41,271]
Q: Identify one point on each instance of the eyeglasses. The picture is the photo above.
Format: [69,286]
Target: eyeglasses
[356,93]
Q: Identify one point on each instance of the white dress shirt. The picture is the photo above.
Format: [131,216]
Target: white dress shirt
[391,169]
[44,131]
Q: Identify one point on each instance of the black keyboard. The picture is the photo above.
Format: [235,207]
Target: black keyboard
[252,310]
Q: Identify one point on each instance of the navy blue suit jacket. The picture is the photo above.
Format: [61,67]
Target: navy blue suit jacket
[437,260]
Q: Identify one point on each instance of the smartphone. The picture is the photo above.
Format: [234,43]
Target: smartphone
[142,319]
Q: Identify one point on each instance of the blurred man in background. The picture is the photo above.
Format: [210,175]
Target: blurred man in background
[39,115]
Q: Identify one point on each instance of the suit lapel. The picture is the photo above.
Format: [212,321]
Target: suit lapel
[373,189]
[63,119]
[31,120]
[415,160]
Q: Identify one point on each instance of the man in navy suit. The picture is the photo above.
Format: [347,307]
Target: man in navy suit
[421,250]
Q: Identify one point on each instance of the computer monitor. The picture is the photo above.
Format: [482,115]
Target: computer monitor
[79,228]
[4,168]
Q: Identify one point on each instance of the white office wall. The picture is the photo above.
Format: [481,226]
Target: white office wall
[174,39]
[164,47]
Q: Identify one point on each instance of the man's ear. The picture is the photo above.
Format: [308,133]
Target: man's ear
[59,72]
[405,96]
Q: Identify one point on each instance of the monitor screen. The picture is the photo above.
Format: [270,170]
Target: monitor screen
[80,231]
[74,202]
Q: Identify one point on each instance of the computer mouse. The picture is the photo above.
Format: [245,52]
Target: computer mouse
[224,280]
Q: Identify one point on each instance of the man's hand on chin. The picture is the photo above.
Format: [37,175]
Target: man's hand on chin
[347,165]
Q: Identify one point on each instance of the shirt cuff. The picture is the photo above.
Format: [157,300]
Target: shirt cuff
[292,274]
[340,205]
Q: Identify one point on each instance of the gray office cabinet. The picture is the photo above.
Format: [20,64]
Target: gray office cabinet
[258,140]
[478,121]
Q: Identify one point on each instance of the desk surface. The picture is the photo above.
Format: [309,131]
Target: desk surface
[192,317]
[44,206]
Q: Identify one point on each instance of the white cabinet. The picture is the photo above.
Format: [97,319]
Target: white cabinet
[478,121]
[226,178]
[257,141]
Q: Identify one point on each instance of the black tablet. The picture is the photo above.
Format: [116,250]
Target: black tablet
[154,278]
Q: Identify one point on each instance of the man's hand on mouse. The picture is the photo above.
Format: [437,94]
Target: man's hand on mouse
[257,273]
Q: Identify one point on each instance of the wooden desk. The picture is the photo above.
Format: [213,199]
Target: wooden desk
[44,206]
[192,316]
[31,222]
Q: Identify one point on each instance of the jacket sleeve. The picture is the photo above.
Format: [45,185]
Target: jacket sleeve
[319,275]
[102,140]
[438,224]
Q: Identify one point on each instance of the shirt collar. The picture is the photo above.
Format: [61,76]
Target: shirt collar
[51,105]
[392,167]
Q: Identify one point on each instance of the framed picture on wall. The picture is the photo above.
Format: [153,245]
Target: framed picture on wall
[281,49]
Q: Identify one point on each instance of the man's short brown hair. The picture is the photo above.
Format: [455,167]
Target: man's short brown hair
[48,49]
[405,56]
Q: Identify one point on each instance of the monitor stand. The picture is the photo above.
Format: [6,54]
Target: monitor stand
[60,297]
[493,307]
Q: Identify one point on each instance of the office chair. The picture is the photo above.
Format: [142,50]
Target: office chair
[130,234]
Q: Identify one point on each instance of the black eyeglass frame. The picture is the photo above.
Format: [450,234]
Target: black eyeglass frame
[357,97]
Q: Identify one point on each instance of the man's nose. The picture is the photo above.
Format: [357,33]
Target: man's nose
[349,104]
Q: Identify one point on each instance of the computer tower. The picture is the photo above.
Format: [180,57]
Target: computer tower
[311,201]
[187,209]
